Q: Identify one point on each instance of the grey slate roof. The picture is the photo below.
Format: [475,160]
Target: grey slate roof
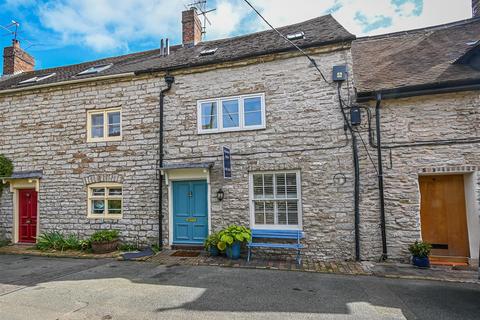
[319,31]
[415,58]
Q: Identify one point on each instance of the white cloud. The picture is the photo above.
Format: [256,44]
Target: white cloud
[225,19]
[107,25]
[283,12]
[115,25]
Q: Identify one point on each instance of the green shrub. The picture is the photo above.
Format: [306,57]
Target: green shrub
[4,242]
[85,245]
[6,170]
[156,248]
[105,235]
[55,240]
[233,234]
[211,241]
[420,249]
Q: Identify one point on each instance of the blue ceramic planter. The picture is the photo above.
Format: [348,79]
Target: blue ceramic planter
[213,251]
[233,251]
[421,262]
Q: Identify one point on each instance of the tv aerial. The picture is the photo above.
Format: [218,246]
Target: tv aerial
[201,8]
[12,30]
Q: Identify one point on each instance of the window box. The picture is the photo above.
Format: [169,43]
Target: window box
[239,113]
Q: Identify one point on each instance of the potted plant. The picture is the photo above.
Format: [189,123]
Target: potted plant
[420,251]
[231,239]
[211,244]
[104,241]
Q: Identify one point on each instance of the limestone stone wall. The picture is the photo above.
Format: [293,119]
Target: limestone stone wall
[46,130]
[304,131]
[444,117]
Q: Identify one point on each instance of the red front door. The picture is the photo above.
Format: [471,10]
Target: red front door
[27,211]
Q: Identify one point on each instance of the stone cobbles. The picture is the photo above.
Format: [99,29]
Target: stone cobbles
[308,265]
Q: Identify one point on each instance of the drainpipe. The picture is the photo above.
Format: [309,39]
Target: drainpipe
[169,80]
[356,196]
[380,178]
[356,166]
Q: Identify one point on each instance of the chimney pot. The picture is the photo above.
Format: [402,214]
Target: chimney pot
[191,27]
[16,60]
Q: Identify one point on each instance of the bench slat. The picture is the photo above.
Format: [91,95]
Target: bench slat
[275,245]
[277,234]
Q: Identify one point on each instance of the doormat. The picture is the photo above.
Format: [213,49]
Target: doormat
[181,253]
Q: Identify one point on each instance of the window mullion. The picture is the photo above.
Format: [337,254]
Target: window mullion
[105,124]
[241,113]
[220,115]
[286,212]
[275,212]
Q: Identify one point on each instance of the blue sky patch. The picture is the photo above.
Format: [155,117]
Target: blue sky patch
[372,24]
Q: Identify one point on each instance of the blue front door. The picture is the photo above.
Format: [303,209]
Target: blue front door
[190,212]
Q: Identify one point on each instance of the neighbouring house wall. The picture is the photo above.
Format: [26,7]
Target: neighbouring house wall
[46,130]
[302,115]
[426,118]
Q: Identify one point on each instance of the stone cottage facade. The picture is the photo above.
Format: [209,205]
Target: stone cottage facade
[427,84]
[86,143]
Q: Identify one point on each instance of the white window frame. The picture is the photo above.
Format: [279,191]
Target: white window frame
[105,197]
[105,137]
[251,199]
[241,114]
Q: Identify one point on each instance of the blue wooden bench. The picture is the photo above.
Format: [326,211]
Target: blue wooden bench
[296,235]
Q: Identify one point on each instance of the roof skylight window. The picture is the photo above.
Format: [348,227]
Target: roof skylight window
[208,52]
[37,78]
[95,69]
[296,36]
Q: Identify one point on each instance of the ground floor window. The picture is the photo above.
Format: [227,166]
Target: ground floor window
[105,200]
[275,200]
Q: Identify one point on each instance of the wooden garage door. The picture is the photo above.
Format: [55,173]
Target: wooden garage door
[443,215]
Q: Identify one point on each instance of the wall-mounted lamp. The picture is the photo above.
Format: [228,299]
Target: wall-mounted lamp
[220,194]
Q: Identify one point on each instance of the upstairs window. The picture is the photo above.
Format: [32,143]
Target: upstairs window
[296,36]
[208,52]
[231,114]
[104,125]
[105,201]
[95,69]
[37,78]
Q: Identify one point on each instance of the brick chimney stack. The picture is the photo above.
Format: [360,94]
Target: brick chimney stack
[192,28]
[15,60]
[475,8]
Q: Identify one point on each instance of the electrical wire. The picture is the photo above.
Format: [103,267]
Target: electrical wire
[312,61]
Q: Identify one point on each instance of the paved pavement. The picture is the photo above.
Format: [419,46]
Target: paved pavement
[61,288]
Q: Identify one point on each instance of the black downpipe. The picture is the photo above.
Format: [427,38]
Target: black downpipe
[169,80]
[380,178]
[356,166]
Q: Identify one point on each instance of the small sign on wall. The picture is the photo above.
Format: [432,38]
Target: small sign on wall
[227,163]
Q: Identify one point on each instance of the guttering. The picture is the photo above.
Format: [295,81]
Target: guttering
[381,194]
[169,80]
[420,90]
[68,82]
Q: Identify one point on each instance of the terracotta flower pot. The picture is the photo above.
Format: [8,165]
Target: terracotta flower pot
[104,246]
